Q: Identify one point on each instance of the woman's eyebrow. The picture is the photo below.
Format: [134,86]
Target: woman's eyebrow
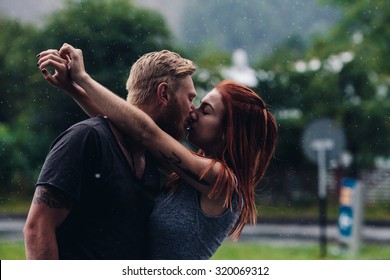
[204,104]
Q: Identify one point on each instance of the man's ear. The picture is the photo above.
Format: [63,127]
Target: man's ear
[162,93]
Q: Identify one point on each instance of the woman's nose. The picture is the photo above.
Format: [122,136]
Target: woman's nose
[193,115]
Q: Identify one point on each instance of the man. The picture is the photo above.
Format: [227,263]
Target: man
[95,191]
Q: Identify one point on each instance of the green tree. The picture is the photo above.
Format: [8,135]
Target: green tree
[364,81]
[349,83]
[17,63]
[17,78]
[365,24]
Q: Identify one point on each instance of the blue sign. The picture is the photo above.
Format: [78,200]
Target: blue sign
[345,220]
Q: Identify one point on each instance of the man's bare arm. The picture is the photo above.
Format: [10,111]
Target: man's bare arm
[48,210]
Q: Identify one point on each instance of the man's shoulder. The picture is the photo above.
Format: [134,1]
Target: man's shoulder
[98,123]
[92,121]
[94,127]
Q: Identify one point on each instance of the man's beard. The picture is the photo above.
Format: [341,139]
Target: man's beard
[170,123]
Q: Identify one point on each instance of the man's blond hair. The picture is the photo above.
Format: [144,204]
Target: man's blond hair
[154,68]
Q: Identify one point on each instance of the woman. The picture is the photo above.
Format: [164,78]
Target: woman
[211,194]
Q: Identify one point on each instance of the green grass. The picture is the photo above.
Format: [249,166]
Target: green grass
[12,251]
[13,205]
[252,251]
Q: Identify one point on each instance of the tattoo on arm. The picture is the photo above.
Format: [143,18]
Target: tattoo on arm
[52,197]
[176,161]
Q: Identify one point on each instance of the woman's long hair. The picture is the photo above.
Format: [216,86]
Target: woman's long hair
[250,140]
[248,144]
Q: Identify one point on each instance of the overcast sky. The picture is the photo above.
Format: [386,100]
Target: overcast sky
[35,10]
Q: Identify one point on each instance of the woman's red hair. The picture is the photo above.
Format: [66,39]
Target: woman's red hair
[250,140]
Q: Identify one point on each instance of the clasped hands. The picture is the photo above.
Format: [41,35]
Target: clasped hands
[68,66]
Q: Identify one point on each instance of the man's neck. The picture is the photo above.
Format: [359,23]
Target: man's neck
[133,151]
[152,110]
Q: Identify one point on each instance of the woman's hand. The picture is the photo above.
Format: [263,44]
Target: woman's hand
[61,77]
[64,70]
[74,58]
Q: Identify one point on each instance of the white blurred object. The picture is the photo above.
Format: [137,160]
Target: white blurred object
[240,71]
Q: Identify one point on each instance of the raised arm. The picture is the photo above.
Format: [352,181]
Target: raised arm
[143,129]
[62,80]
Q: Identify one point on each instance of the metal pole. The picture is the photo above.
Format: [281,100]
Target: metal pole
[321,146]
[358,209]
[322,199]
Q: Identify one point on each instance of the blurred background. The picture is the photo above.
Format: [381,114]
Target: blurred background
[309,59]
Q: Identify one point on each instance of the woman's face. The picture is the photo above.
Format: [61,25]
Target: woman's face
[205,128]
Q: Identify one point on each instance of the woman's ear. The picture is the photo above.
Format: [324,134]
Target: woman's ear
[162,93]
